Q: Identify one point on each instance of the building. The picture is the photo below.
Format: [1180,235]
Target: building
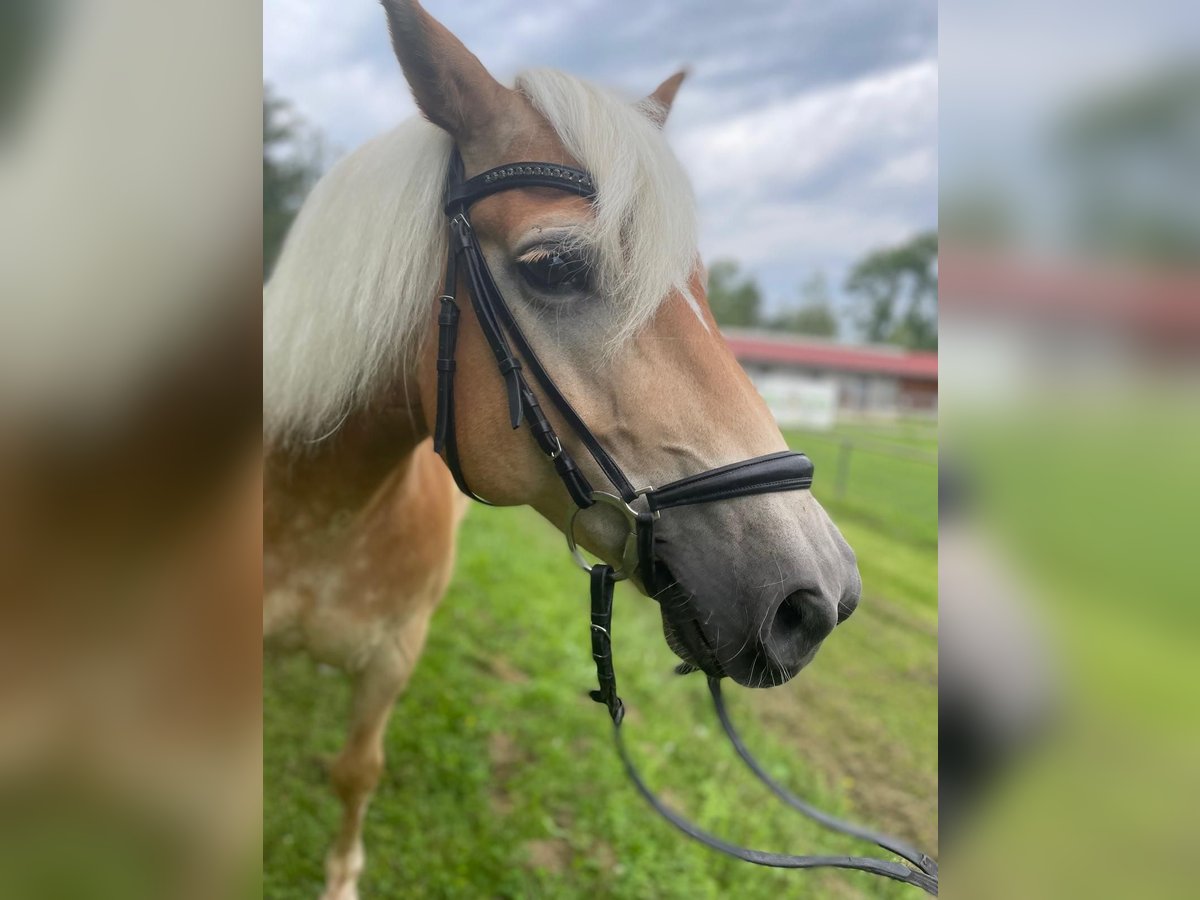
[1017,325]
[807,381]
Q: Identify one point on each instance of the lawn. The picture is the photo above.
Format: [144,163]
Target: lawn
[501,778]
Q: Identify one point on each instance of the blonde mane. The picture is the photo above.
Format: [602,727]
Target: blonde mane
[351,297]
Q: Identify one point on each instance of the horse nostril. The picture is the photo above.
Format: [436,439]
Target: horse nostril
[807,612]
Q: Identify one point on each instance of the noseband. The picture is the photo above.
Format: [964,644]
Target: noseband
[640,507]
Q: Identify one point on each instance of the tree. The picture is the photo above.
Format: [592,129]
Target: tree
[815,313]
[733,297]
[1125,160]
[291,164]
[24,32]
[978,215]
[896,291]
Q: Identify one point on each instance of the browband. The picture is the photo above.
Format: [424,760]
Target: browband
[502,178]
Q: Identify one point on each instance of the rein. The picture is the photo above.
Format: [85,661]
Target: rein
[641,507]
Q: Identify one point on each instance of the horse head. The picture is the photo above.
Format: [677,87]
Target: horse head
[611,293]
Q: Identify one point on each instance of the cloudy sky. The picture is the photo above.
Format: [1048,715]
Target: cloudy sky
[809,127]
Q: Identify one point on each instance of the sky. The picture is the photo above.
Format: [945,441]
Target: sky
[999,120]
[809,129]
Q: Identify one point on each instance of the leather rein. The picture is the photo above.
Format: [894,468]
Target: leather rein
[640,507]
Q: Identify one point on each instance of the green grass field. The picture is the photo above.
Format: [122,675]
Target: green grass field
[502,780]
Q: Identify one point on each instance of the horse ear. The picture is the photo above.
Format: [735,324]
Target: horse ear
[658,105]
[452,88]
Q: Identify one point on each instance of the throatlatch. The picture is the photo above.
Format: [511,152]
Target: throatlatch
[773,473]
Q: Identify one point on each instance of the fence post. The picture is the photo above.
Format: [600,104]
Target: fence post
[843,469]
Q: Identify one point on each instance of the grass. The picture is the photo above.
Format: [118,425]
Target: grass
[501,778]
[890,478]
[918,433]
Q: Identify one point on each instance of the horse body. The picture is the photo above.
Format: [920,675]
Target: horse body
[341,569]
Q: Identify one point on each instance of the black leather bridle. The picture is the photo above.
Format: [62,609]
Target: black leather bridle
[641,507]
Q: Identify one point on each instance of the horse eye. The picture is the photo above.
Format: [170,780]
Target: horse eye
[556,272]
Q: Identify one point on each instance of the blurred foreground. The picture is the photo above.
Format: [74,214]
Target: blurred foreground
[130,499]
[1070,404]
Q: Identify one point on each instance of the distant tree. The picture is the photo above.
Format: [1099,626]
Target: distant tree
[815,313]
[1127,158]
[24,29]
[733,297]
[977,216]
[896,293]
[291,164]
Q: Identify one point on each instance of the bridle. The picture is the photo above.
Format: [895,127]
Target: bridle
[640,507]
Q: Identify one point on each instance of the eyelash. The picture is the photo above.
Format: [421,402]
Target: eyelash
[552,270]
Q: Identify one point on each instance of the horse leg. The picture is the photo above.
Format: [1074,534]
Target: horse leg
[385,617]
[356,770]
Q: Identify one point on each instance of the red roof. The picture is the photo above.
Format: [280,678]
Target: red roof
[791,351]
[1153,304]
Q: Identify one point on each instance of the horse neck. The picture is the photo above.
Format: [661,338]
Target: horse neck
[312,487]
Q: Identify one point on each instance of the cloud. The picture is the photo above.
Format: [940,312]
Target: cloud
[816,180]
[332,60]
[809,129]
[797,138]
[804,233]
[917,168]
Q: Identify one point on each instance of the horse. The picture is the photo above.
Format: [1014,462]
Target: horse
[361,513]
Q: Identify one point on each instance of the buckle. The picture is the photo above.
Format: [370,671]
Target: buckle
[646,492]
[461,229]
